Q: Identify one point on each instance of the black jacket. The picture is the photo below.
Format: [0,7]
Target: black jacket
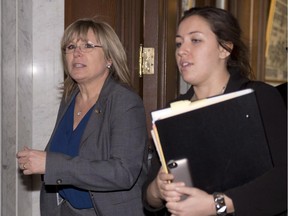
[266,195]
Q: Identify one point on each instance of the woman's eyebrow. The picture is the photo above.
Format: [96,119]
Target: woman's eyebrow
[189,33]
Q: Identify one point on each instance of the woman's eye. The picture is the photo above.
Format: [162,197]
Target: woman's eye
[195,40]
[71,47]
[178,45]
[88,45]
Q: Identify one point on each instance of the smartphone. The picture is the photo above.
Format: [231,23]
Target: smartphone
[181,172]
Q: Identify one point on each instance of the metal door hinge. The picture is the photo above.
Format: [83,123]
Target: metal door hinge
[146,60]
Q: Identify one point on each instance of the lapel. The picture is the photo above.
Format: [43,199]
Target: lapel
[95,121]
[236,81]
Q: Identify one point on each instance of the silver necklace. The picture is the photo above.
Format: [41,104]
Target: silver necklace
[80,111]
[88,104]
[194,97]
[223,90]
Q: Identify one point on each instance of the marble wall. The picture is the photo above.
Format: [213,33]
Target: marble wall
[31,72]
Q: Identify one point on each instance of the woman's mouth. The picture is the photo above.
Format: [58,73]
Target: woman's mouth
[78,65]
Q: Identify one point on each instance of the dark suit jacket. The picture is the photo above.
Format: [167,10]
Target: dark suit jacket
[112,158]
[267,195]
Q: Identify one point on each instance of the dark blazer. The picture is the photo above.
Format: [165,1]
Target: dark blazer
[266,195]
[112,158]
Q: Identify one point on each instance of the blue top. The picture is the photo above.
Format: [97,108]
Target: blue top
[67,141]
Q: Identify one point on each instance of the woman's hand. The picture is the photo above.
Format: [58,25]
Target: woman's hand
[198,203]
[31,161]
[161,189]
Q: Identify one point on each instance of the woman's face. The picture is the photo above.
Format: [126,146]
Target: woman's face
[87,66]
[198,54]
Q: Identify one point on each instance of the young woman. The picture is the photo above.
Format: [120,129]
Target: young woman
[212,58]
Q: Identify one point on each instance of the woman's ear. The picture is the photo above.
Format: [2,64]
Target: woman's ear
[224,53]
[109,61]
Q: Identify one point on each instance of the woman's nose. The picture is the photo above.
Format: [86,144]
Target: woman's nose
[182,51]
[77,51]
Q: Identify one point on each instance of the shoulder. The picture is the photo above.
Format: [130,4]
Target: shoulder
[124,92]
[271,103]
[115,90]
[260,86]
[123,102]
[265,91]
[120,97]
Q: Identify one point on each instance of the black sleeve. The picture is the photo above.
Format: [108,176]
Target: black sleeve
[267,195]
[152,173]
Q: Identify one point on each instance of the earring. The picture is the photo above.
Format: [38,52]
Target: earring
[108,66]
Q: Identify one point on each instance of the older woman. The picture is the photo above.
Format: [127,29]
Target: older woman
[95,161]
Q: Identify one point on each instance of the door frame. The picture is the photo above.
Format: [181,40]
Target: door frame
[160,24]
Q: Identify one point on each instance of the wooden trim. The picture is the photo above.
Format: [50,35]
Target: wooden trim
[129,24]
[259,53]
[253,23]
[150,36]
[160,23]
[169,75]
[75,9]
[269,24]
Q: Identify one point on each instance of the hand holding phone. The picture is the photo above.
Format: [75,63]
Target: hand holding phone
[181,172]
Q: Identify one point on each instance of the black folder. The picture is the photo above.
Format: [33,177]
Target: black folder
[224,141]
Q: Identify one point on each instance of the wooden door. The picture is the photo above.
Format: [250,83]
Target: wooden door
[159,30]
